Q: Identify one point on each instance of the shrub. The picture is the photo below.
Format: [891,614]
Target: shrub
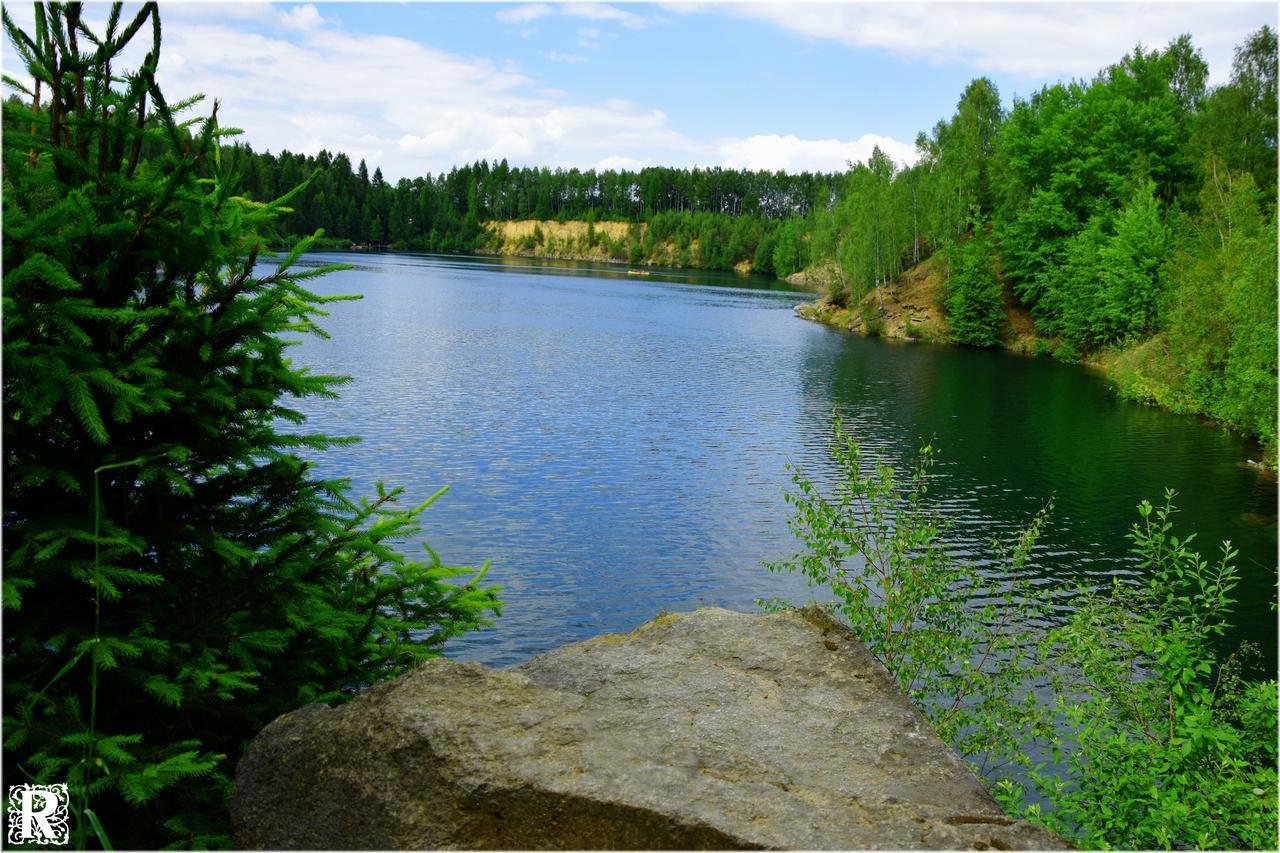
[1157,743]
[1164,745]
[837,293]
[874,544]
[1066,351]
[175,576]
[872,322]
[762,260]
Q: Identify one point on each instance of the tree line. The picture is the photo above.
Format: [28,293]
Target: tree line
[446,212]
[1132,212]
[1137,207]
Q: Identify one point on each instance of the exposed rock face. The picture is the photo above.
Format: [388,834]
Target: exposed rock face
[710,729]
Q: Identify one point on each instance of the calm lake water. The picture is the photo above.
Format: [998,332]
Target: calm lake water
[615,444]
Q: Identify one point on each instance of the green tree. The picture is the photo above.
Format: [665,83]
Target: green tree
[1132,270]
[1222,330]
[969,143]
[972,295]
[762,260]
[175,574]
[1238,124]
[1034,244]
[789,252]
[1073,290]
[1068,160]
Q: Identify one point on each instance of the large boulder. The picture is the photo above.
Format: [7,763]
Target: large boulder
[703,730]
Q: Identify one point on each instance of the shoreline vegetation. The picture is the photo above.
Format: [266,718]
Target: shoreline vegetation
[913,305]
[913,311]
[1126,222]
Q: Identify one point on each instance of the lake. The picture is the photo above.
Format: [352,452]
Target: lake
[615,444]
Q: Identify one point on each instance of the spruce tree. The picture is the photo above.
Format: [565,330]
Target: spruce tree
[972,293]
[175,574]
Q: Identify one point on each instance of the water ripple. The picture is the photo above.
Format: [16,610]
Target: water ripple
[616,445]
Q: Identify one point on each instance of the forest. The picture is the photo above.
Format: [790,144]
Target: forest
[1132,214]
[447,213]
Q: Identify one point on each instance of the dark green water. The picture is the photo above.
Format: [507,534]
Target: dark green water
[615,443]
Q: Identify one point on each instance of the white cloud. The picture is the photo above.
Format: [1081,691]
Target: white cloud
[792,154]
[570,58]
[530,12]
[246,11]
[302,18]
[603,12]
[277,16]
[619,163]
[293,80]
[1037,40]
[525,14]
[687,8]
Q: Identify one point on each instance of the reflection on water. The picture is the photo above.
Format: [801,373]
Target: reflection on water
[615,444]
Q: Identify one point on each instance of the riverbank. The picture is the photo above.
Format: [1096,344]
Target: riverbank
[912,310]
[571,240]
[912,307]
[611,242]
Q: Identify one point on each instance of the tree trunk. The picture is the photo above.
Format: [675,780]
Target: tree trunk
[915,228]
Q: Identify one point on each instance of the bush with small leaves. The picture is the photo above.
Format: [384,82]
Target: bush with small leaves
[1161,744]
[875,545]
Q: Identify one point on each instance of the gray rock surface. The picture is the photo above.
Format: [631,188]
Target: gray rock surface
[703,730]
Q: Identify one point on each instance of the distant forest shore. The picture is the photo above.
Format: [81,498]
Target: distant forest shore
[1128,221]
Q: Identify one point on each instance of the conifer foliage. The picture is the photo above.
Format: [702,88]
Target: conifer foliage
[972,293]
[175,576]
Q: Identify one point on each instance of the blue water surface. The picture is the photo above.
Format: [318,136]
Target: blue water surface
[615,443]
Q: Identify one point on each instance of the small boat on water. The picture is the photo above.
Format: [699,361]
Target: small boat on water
[637,272]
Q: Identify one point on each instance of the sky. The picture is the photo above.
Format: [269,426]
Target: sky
[419,87]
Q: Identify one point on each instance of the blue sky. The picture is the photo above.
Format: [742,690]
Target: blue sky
[419,87]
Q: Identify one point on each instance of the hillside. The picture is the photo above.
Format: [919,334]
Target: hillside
[609,241]
[913,310]
[592,241]
[1145,371]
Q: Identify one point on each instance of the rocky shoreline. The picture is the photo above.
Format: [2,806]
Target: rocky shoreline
[704,730]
